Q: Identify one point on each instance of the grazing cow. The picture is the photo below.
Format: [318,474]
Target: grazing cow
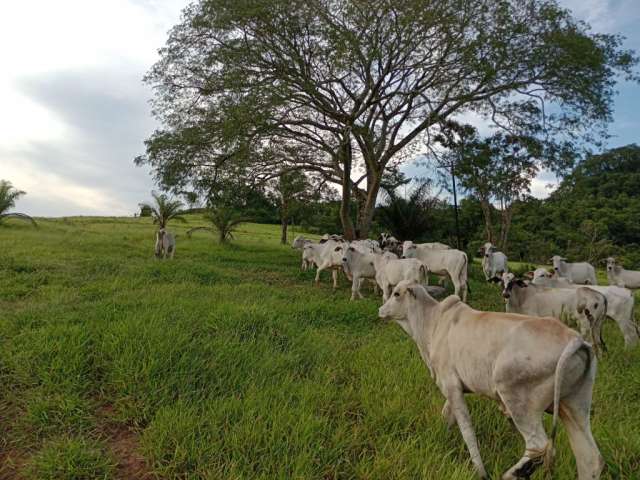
[493,261]
[620,302]
[620,277]
[165,244]
[581,273]
[449,262]
[586,306]
[390,272]
[529,365]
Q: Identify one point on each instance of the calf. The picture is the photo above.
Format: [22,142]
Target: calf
[527,364]
[581,272]
[165,244]
[620,302]
[586,306]
[620,277]
[493,261]
[449,262]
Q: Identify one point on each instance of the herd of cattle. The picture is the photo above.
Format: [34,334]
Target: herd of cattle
[526,358]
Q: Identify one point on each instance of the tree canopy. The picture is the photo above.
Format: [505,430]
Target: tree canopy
[348,89]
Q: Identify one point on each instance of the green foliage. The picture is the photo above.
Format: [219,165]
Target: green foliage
[8,197]
[408,218]
[163,209]
[225,221]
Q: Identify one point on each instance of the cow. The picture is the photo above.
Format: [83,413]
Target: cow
[299,242]
[388,242]
[358,266]
[620,277]
[493,261]
[334,237]
[366,246]
[586,306]
[165,244]
[328,255]
[527,364]
[620,302]
[390,272]
[441,262]
[581,273]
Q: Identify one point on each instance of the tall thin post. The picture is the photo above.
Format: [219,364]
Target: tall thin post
[455,204]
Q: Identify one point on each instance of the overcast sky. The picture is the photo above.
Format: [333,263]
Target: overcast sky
[74,111]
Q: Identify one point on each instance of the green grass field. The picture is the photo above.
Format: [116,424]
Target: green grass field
[227,363]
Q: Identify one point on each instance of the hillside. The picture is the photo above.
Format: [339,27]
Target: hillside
[227,363]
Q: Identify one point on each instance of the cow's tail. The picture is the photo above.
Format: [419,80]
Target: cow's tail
[574,346]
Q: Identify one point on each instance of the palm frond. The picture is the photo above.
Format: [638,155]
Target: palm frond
[21,216]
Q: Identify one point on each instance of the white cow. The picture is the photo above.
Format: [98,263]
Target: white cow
[328,255]
[165,244]
[358,266]
[493,261]
[526,364]
[390,272]
[617,275]
[586,306]
[441,262]
[620,302]
[366,246]
[581,272]
[299,243]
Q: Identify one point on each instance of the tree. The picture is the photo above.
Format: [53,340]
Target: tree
[408,218]
[163,209]
[291,189]
[224,219]
[361,82]
[8,196]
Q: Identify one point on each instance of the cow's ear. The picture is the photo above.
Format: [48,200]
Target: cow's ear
[412,292]
[521,283]
[529,275]
[495,280]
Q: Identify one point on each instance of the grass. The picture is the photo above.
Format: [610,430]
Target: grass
[226,363]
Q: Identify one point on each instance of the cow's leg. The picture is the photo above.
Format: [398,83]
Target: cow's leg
[334,274]
[317,280]
[529,424]
[355,288]
[447,414]
[461,414]
[574,412]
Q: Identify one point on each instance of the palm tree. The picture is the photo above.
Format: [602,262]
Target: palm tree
[8,197]
[164,209]
[225,221]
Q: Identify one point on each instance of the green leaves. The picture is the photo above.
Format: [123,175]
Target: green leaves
[8,196]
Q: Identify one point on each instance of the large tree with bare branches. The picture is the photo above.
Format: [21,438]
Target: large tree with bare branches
[358,85]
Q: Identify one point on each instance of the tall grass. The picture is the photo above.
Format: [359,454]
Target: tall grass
[227,363]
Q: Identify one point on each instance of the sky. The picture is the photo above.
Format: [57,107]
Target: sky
[74,111]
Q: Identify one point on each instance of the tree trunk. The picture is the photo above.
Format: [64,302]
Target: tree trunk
[284,221]
[507,216]
[488,224]
[369,206]
[283,237]
[345,204]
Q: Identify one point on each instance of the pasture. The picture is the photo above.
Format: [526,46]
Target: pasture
[227,363]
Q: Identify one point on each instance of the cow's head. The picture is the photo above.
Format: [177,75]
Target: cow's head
[611,264]
[397,306]
[558,262]
[487,249]
[508,282]
[409,249]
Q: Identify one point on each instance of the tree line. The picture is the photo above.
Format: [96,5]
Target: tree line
[344,92]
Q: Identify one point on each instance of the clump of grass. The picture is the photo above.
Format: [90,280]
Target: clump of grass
[69,458]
